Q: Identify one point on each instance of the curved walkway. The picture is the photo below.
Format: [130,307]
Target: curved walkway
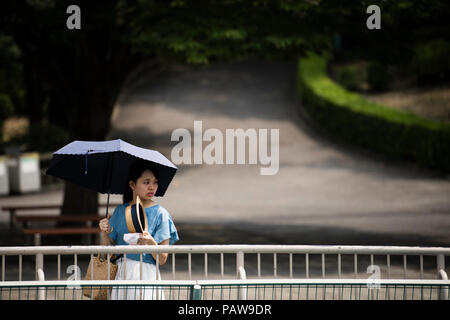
[322,193]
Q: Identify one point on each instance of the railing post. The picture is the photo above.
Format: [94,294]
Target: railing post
[443,292]
[442,275]
[440,262]
[239,262]
[39,263]
[39,256]
[41,290]
[240,274]
[242,293]
[196,292]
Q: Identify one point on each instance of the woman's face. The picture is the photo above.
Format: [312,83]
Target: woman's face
[145,186]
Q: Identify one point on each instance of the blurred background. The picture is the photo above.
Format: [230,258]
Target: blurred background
[363,113]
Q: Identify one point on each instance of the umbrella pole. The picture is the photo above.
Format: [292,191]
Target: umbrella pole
[109,191]
[107,206]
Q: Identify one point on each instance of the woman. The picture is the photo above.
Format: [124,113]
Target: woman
[142,182]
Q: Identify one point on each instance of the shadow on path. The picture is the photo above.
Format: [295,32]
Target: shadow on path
[247,233]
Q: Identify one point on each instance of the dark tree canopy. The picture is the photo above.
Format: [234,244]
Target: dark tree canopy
[73,77]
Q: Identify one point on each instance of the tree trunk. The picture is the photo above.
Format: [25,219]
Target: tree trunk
[35,96]
[84,69]
[89,124]
[79,200]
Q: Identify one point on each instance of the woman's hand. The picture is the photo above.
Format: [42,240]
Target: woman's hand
[146,239]
[104,225]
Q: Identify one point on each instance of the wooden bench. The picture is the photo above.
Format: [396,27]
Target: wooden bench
[38,232]
[88,219]
[13,209]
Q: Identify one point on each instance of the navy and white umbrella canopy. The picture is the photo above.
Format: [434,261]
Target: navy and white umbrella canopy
[103,165]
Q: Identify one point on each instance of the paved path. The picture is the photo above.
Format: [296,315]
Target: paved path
[322,193]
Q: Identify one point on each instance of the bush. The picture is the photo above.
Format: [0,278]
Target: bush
[352,119]
[42,138]
[350,76]
[46,137]
[6,106]
[378,76]
[431,61]
[6,109]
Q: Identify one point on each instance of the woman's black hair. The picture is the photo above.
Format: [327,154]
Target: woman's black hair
[134,173]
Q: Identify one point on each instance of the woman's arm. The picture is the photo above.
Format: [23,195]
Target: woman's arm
[149,240]
[107,240]
[163,256]
[105,228]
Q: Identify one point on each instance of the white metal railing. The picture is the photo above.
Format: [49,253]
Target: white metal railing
[259,289]
[285,261]
[444,292]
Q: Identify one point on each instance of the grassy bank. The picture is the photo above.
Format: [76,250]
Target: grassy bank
[351,118]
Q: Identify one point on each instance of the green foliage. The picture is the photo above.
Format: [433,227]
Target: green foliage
[6,109]
[431,61]
[378,76]
[404,25]
[6,106]
[42,138]
[203,31]
[351,77]
[11,92]
[350,118]
[85,69]
[47,137]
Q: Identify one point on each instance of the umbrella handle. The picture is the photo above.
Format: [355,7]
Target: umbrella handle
[138,204]
[86,162]
[107,207]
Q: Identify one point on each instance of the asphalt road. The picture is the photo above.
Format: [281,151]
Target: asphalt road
[323,193]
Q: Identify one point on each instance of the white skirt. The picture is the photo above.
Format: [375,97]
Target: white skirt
[132,272]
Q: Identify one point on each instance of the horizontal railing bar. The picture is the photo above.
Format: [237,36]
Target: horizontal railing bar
[47,206]
[362,282]
[88,283]
[296,249]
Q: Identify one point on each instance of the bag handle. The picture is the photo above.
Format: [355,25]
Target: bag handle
[138,205]
[129,219]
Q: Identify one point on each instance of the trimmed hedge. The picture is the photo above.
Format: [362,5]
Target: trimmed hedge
[352,119]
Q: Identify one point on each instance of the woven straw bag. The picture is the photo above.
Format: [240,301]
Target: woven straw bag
[100,272]
[101,265]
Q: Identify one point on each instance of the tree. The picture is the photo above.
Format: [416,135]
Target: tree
[84,70]
[405,24]
[11,97]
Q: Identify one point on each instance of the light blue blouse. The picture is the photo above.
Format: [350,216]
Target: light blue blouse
[160,227]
